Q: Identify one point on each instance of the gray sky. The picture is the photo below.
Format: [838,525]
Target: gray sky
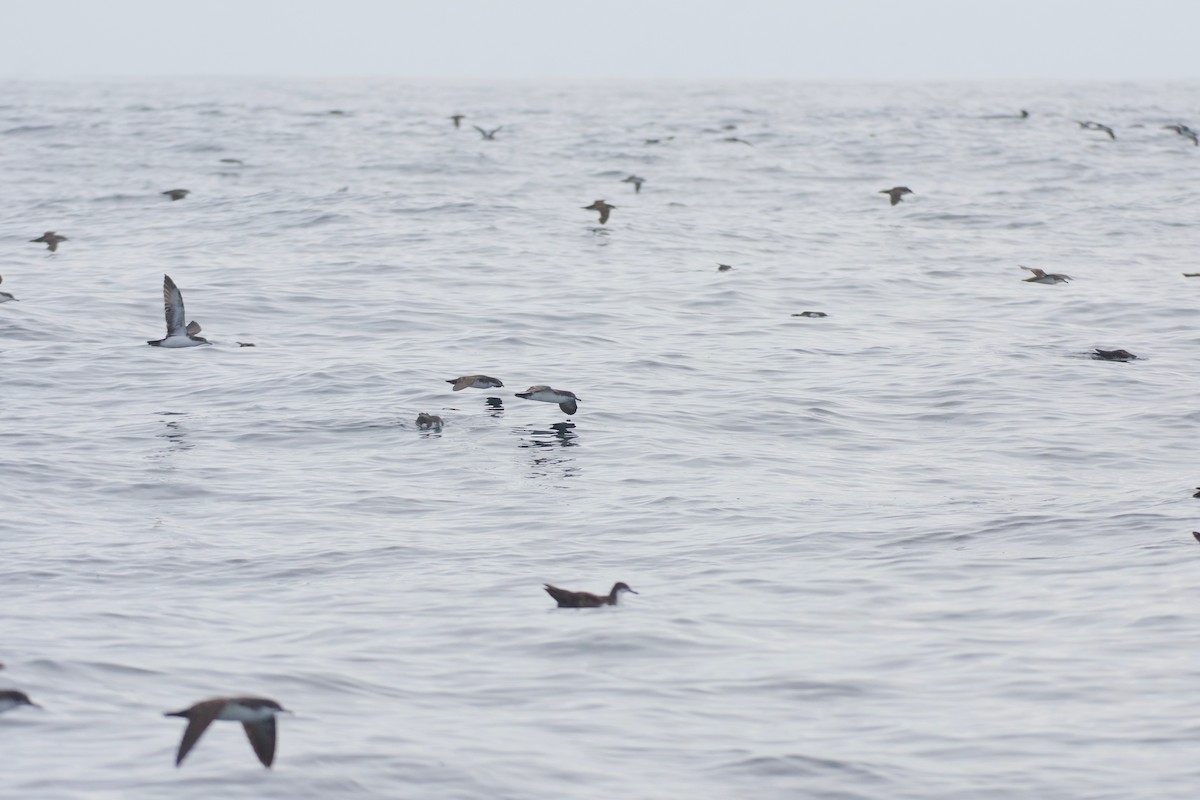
[571,39]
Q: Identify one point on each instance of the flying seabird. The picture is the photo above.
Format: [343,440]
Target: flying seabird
[1024,114]
[177,194]
[5,296]
[429,422]
[636,181]
[1041,276]
[257,715]
[178,334]
[601,206]
[567,401]
[1113,355]
[736,139]
[569,599]
[1096,126]
[11,698]
[51,239]
[475,382]
[896,192]
[487,135]
[1185,131]
[458,118]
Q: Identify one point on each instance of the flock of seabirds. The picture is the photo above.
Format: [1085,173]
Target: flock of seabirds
[257,714]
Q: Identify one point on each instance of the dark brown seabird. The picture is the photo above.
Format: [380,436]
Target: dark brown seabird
[601,206]
[636,181]
[723,267]
[569,599]
[51,239]
[1113,355]
[896,192]
[458,118]
[813,314]
[177,194]
[1197,535]
[11,698]
[429,422]
[487,135]
[1041,276]
[257,715]
[1185,131]
[475,382]
[736,139]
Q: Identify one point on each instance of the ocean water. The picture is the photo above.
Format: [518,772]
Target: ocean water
[924,547]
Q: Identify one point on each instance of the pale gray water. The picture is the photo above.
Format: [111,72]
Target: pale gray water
[922,548]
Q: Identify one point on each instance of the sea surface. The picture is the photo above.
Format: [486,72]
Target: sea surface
[923,548]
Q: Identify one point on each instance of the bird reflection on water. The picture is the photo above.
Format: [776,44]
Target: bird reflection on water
[548,460]
[175,435]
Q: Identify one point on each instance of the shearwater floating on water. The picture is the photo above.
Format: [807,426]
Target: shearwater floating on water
[429,422]
[568,599]
[257,715]
[179,334]
[1113,355]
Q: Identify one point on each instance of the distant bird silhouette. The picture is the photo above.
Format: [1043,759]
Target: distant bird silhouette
[1113,355]
[636,181]
[1041,276]
[458,118]
[1197,494]
[1024,114]
[723,267]
[1191,274]
[601,206]
[11,698]
[51,239]
[488,135]
[246,344]
[1197,535]
[1096,126]
[232,161]
[813,314]
[896,192]
[736,139]
[177,194]
[4,298]
[1185,131]
[658,141]
[568,599]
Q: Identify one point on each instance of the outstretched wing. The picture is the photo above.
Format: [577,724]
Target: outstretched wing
[200,716]
[262,739]
[569,406]
[173,306]
[1040,273]
[193,328]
